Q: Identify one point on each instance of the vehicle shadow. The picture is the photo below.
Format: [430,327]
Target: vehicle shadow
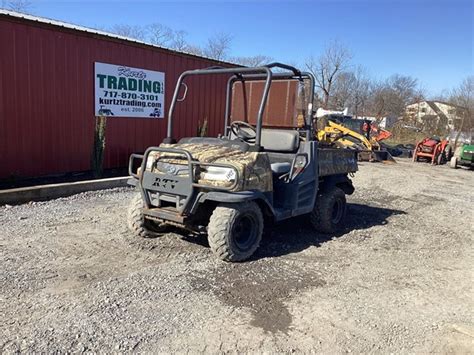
[297,234]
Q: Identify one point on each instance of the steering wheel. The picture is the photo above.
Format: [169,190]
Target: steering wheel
[236,129]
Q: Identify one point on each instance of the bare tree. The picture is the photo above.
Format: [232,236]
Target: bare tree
[463,97]
[159,34]
[342,91]
[179,41]
[23,6]
[218,46]
[326,68]
[379,97]
[351,90]
[253,61]
[125,30]
[196,50]
[391,96]
[361,92]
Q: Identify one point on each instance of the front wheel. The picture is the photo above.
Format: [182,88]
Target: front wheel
[329,212]
[453,163]
[137,224]
[235,230]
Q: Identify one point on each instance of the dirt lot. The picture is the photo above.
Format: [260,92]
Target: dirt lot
[399,279]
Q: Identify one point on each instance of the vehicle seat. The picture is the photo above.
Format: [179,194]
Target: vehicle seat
[278,140]
[280,168]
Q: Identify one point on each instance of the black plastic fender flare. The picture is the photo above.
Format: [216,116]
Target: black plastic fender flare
[342,181]
[233,197]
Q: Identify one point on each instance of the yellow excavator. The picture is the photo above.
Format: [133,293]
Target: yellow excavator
[333,130]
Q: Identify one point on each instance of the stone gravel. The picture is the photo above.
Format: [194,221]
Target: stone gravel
[397,279]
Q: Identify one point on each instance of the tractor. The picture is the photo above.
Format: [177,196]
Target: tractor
[464,156]
[432,149]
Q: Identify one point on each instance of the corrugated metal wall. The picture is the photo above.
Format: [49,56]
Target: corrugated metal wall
[47,99]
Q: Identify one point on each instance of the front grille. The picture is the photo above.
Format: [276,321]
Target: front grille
[468,155]
[171,169]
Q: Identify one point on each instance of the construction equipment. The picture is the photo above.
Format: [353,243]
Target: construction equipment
[433,150]
[378,133]
[345,132]
[251,176]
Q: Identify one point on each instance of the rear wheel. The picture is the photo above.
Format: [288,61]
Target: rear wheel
[448,153]
[235,230]
[329,212]
[440,159]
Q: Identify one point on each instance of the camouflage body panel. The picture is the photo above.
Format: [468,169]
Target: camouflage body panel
[253,167]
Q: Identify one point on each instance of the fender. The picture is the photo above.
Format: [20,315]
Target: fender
[234,197]
[342,181]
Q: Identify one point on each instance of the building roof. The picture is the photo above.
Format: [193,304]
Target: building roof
[431,102]
[65,25]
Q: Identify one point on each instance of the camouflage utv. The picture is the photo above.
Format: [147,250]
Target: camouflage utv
[232,186]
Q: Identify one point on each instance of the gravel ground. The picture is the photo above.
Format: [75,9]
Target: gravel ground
[398,279]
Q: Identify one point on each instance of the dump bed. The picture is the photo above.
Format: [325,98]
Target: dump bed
[336,161]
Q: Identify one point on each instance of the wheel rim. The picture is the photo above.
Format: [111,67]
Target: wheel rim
[337,211]
[244,232]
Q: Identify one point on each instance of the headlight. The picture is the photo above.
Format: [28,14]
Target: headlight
[216,173]
[172,169]
[149,162]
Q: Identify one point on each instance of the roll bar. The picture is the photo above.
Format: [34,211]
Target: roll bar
[243,73]
[284,66]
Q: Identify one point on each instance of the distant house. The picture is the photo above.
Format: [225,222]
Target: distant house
[385,122]
[435,114]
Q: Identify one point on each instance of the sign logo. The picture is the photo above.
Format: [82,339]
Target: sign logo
[165,183]
[123,91]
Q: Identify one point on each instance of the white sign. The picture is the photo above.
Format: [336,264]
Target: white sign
[128,92]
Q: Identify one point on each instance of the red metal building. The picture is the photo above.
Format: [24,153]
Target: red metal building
[47,97]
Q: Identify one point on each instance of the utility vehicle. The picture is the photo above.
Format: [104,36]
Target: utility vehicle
[104,111]
[233,186]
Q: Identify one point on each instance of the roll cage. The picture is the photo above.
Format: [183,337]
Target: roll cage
[246,74]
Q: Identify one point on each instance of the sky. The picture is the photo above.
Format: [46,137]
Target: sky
[429,40]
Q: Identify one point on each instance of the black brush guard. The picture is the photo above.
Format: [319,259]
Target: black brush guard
[169,196]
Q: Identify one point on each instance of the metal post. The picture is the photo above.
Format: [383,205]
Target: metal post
[266,89]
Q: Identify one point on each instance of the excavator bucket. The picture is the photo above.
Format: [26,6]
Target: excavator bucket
[375,156]
[383,156]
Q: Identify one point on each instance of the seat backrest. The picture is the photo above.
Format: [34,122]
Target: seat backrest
[277,140]
[280,140]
